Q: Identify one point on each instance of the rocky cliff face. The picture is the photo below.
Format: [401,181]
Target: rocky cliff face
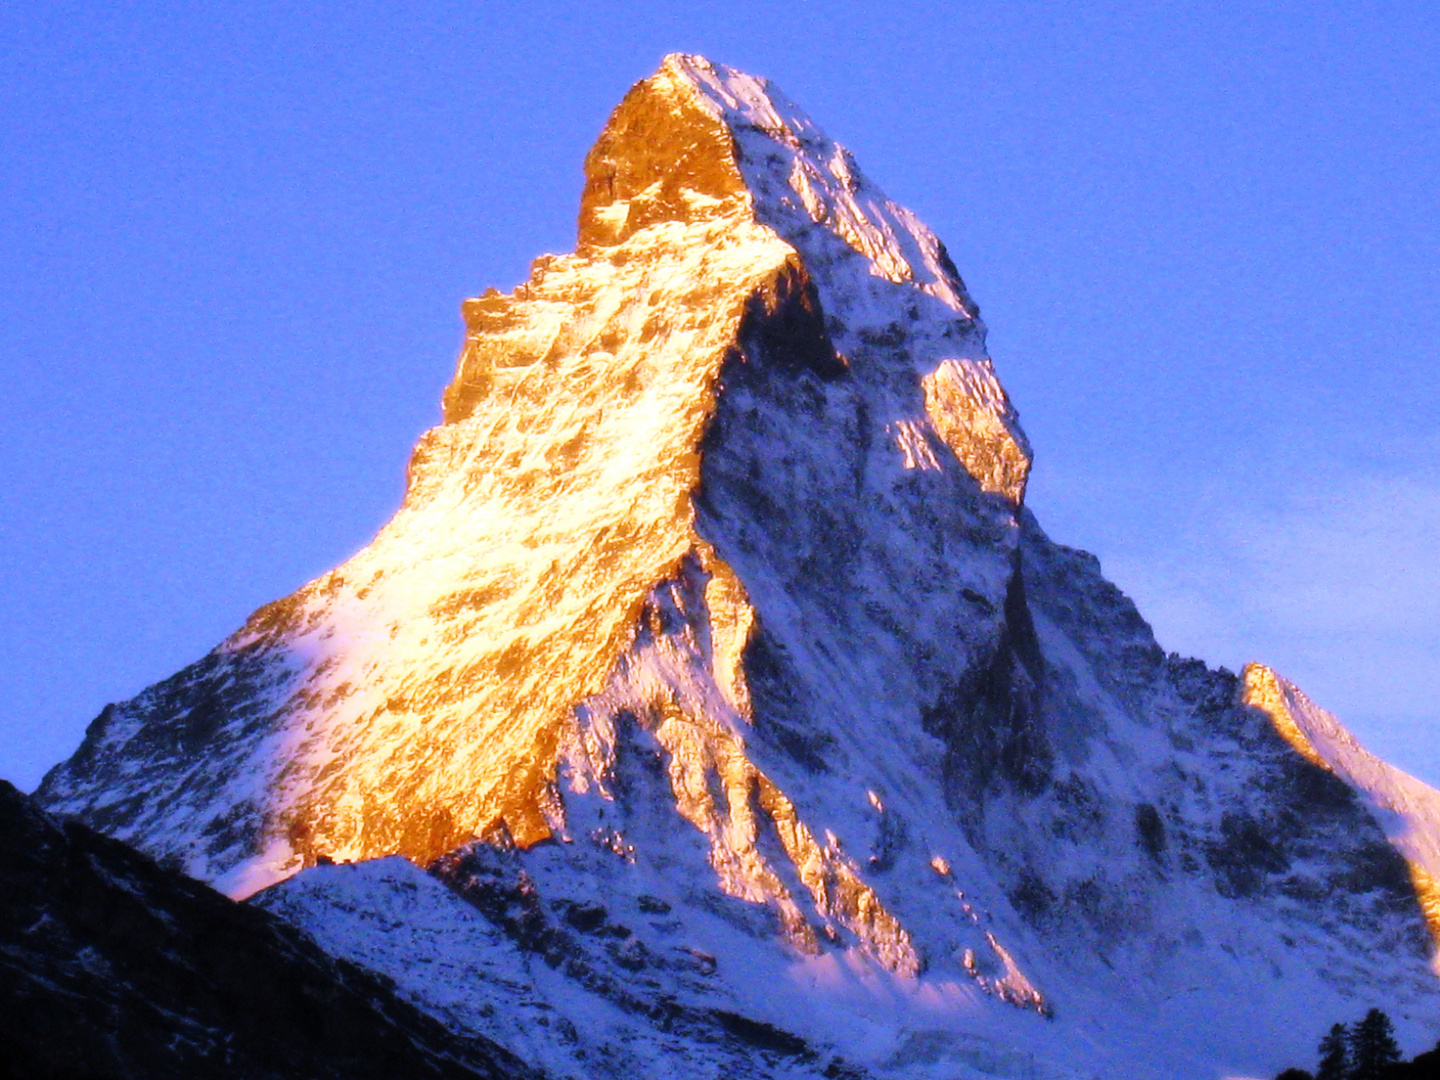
[713,607]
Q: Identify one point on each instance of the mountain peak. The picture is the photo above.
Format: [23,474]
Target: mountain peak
[698,139]
[713,625]
[599,466]
[664,156]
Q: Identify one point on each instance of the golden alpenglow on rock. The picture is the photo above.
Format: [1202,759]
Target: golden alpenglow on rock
[714,658]
[446,682]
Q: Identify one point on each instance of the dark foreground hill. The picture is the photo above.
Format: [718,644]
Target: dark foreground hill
[113,967]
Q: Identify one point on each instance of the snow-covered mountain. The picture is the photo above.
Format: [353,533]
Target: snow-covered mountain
[746,721]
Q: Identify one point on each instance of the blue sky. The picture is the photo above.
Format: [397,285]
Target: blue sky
[1205,239]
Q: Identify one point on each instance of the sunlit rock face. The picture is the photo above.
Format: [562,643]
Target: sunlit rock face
[714,657]
[465,672]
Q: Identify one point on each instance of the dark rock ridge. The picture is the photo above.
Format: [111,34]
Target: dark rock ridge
[113,968]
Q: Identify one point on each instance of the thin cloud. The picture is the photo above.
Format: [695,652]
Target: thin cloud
[1337,586]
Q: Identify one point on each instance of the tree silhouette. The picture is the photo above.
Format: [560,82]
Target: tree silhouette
[1334,1051]
[1372,1047]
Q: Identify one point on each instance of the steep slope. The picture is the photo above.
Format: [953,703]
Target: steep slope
[586,981]
[111,967]
[428,691]
[713,626]
[1407,809]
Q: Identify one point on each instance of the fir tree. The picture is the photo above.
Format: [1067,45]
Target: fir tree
[1372,1047]
[1334,1051]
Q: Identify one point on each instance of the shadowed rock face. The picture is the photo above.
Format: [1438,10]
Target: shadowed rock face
[113,968]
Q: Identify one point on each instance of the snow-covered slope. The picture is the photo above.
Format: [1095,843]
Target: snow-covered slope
[1407,809]
[716,667]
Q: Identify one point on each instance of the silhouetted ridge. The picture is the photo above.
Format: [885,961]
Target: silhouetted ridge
[112,968]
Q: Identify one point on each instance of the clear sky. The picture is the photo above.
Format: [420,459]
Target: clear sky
[1205,237]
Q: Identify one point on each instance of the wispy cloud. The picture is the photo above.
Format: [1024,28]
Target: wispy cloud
[1337,585]
[1363,557]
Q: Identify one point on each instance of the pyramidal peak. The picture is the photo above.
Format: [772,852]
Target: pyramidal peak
[714,656]
[423,693]
[721,134]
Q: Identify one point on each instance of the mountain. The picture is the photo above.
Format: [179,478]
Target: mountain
[744,720]
[111,968]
